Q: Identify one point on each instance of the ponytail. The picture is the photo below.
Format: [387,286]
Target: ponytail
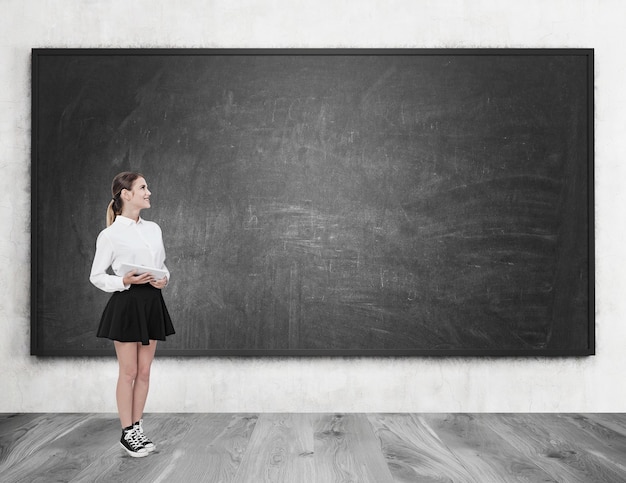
[114,209]
[110,214]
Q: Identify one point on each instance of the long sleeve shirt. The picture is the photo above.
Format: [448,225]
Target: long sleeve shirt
[126,241]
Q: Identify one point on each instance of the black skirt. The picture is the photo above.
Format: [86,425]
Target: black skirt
[138,314]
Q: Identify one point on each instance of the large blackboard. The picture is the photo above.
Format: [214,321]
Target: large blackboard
[325,202]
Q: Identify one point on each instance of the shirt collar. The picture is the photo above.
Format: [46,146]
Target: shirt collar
[127,221]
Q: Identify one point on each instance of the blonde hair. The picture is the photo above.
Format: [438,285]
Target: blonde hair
[122,181]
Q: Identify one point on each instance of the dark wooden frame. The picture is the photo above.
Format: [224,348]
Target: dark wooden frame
[41,268]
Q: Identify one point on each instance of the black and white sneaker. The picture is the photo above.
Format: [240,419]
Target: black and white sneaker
[132,444]
[149,445]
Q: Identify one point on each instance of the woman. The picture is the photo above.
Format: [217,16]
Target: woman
[135,316]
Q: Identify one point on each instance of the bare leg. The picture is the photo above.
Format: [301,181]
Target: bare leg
[127,360]
[145,356]
[133,382]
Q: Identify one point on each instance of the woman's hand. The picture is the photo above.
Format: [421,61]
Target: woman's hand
[159,283]
[131,279]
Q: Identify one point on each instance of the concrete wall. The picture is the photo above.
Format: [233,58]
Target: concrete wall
[591,384]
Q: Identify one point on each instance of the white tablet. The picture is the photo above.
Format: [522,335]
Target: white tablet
[128,267]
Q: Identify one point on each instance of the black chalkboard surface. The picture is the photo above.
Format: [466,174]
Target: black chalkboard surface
[404,202]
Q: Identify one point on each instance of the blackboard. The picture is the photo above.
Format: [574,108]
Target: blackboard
[333,202]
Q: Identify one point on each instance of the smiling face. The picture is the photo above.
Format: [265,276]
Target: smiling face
[138,197]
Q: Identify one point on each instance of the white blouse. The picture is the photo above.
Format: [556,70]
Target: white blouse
[126,241]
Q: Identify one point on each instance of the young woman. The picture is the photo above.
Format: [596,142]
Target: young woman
[135,316]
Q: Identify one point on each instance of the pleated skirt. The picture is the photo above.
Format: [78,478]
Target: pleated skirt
[138,314]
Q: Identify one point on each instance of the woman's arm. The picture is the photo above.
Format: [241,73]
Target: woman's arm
[101,262]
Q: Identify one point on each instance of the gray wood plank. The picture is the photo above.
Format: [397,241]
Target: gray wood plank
[12,428]
[414,452]
[483,452]
[190,447]
[116,465]
[280,450]
[53,447]
[612,421]
[347,450]
[595,436]
[318,448]
[555,445]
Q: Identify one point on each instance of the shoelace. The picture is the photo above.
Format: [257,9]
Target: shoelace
[134,439]
[142,438]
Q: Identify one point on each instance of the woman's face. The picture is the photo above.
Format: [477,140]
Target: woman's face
[139,195]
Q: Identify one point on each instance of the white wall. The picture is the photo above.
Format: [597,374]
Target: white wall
[593,384]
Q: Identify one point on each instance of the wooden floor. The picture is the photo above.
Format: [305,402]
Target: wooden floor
[321,448]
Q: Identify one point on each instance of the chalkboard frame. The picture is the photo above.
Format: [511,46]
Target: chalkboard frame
[38,342]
